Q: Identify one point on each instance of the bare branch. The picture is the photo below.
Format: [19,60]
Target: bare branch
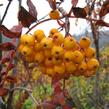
[5,12]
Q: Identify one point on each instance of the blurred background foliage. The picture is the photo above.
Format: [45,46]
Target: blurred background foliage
[81,89]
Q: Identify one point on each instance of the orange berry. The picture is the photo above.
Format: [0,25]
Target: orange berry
[93,64]
[59,69]
[58,38]
[27,39]
[85,42]
[38,46]
[42,68]
[69,43]
[27,51]
[90,52]
[77,57]
[47,53]
[47,43]
[50,71]
[57,51]
[68,56]
[57,60]
[39,57]
[82,67]
[39,35]
[54,14]
[70,67]
[20,47]
[52,32]
[49,61]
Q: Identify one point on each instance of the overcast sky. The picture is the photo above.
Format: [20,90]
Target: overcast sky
[43,9]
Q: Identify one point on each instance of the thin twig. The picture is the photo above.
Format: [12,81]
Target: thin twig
[21,88]
[40,22]
[5,12]
[29,91]
[34,100]
[37,24]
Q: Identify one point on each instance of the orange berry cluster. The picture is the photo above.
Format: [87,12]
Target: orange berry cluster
[57,55]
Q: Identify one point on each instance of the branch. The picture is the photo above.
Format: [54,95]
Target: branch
[9,3]
[29,91]
[20,88]
[37,24]
[34,100]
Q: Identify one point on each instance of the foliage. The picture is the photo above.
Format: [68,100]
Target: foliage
[24,86]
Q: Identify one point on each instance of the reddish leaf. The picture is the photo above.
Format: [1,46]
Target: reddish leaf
[3,91]
[38,107]
[102,23]
[56,85]
[48,105]
[17,28]
[11,79]
[67,107]
[12,54]
[59,98]
[105,8]
[3,73]
[10,67]
[7,33]
[6,46]
[57,88]
[74,2]
[5,59]
[25,17]
[79,12]
[52,4]
[32,9]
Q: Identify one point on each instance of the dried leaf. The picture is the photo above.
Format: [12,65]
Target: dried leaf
[11,79]
[5,59]
[79,12]
[7,33]
[6,46]
[3,91]
[105,8]
[74,2]
[25,17]
[102,23]
[32,9]
[10,67]
[52,4]
[17,28]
